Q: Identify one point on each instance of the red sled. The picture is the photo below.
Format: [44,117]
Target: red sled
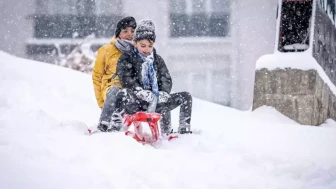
[151,119]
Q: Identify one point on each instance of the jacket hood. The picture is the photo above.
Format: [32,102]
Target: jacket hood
[113,40]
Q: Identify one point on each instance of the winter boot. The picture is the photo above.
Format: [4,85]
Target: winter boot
[184,129]
[116,121]
[103,126]
[166,129]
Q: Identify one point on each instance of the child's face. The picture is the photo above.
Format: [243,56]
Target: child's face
[127,33]
[145,47]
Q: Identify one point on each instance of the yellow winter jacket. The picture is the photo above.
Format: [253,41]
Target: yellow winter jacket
[104,72]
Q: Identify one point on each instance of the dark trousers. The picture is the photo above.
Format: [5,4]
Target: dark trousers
[132,104]
[110,105]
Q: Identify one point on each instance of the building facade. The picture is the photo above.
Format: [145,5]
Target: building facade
[210,46]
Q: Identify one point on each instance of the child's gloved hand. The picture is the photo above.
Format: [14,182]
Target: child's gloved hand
[163,96]
[145,95]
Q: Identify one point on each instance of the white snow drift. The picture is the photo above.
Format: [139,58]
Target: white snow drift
[45,110]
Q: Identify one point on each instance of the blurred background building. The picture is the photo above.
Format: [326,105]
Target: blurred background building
[210,46]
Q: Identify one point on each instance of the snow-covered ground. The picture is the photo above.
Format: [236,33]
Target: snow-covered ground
[45,109]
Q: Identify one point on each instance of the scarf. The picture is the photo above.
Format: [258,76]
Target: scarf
[148,74]
[123,45]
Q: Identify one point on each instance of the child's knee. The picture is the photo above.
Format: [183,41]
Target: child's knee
[164,111]
[113,91]
[123,92]
[187,96]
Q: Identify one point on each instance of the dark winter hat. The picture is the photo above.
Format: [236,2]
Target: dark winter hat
[124,23]
[145,30]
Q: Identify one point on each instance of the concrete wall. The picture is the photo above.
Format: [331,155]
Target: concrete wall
[202,68]
[300,95]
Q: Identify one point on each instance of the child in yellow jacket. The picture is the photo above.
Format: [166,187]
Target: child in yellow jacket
[105,80]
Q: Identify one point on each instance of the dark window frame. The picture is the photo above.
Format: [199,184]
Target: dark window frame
[65,25]
[295,25]
[208,23]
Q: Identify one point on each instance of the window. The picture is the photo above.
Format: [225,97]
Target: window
[106,7]
[64,18]
[295,26]
[76,7]
[195,18]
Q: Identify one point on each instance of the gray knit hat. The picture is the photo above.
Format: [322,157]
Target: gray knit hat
[145,30]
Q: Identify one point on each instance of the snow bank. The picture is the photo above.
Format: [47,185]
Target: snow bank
[45,109]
